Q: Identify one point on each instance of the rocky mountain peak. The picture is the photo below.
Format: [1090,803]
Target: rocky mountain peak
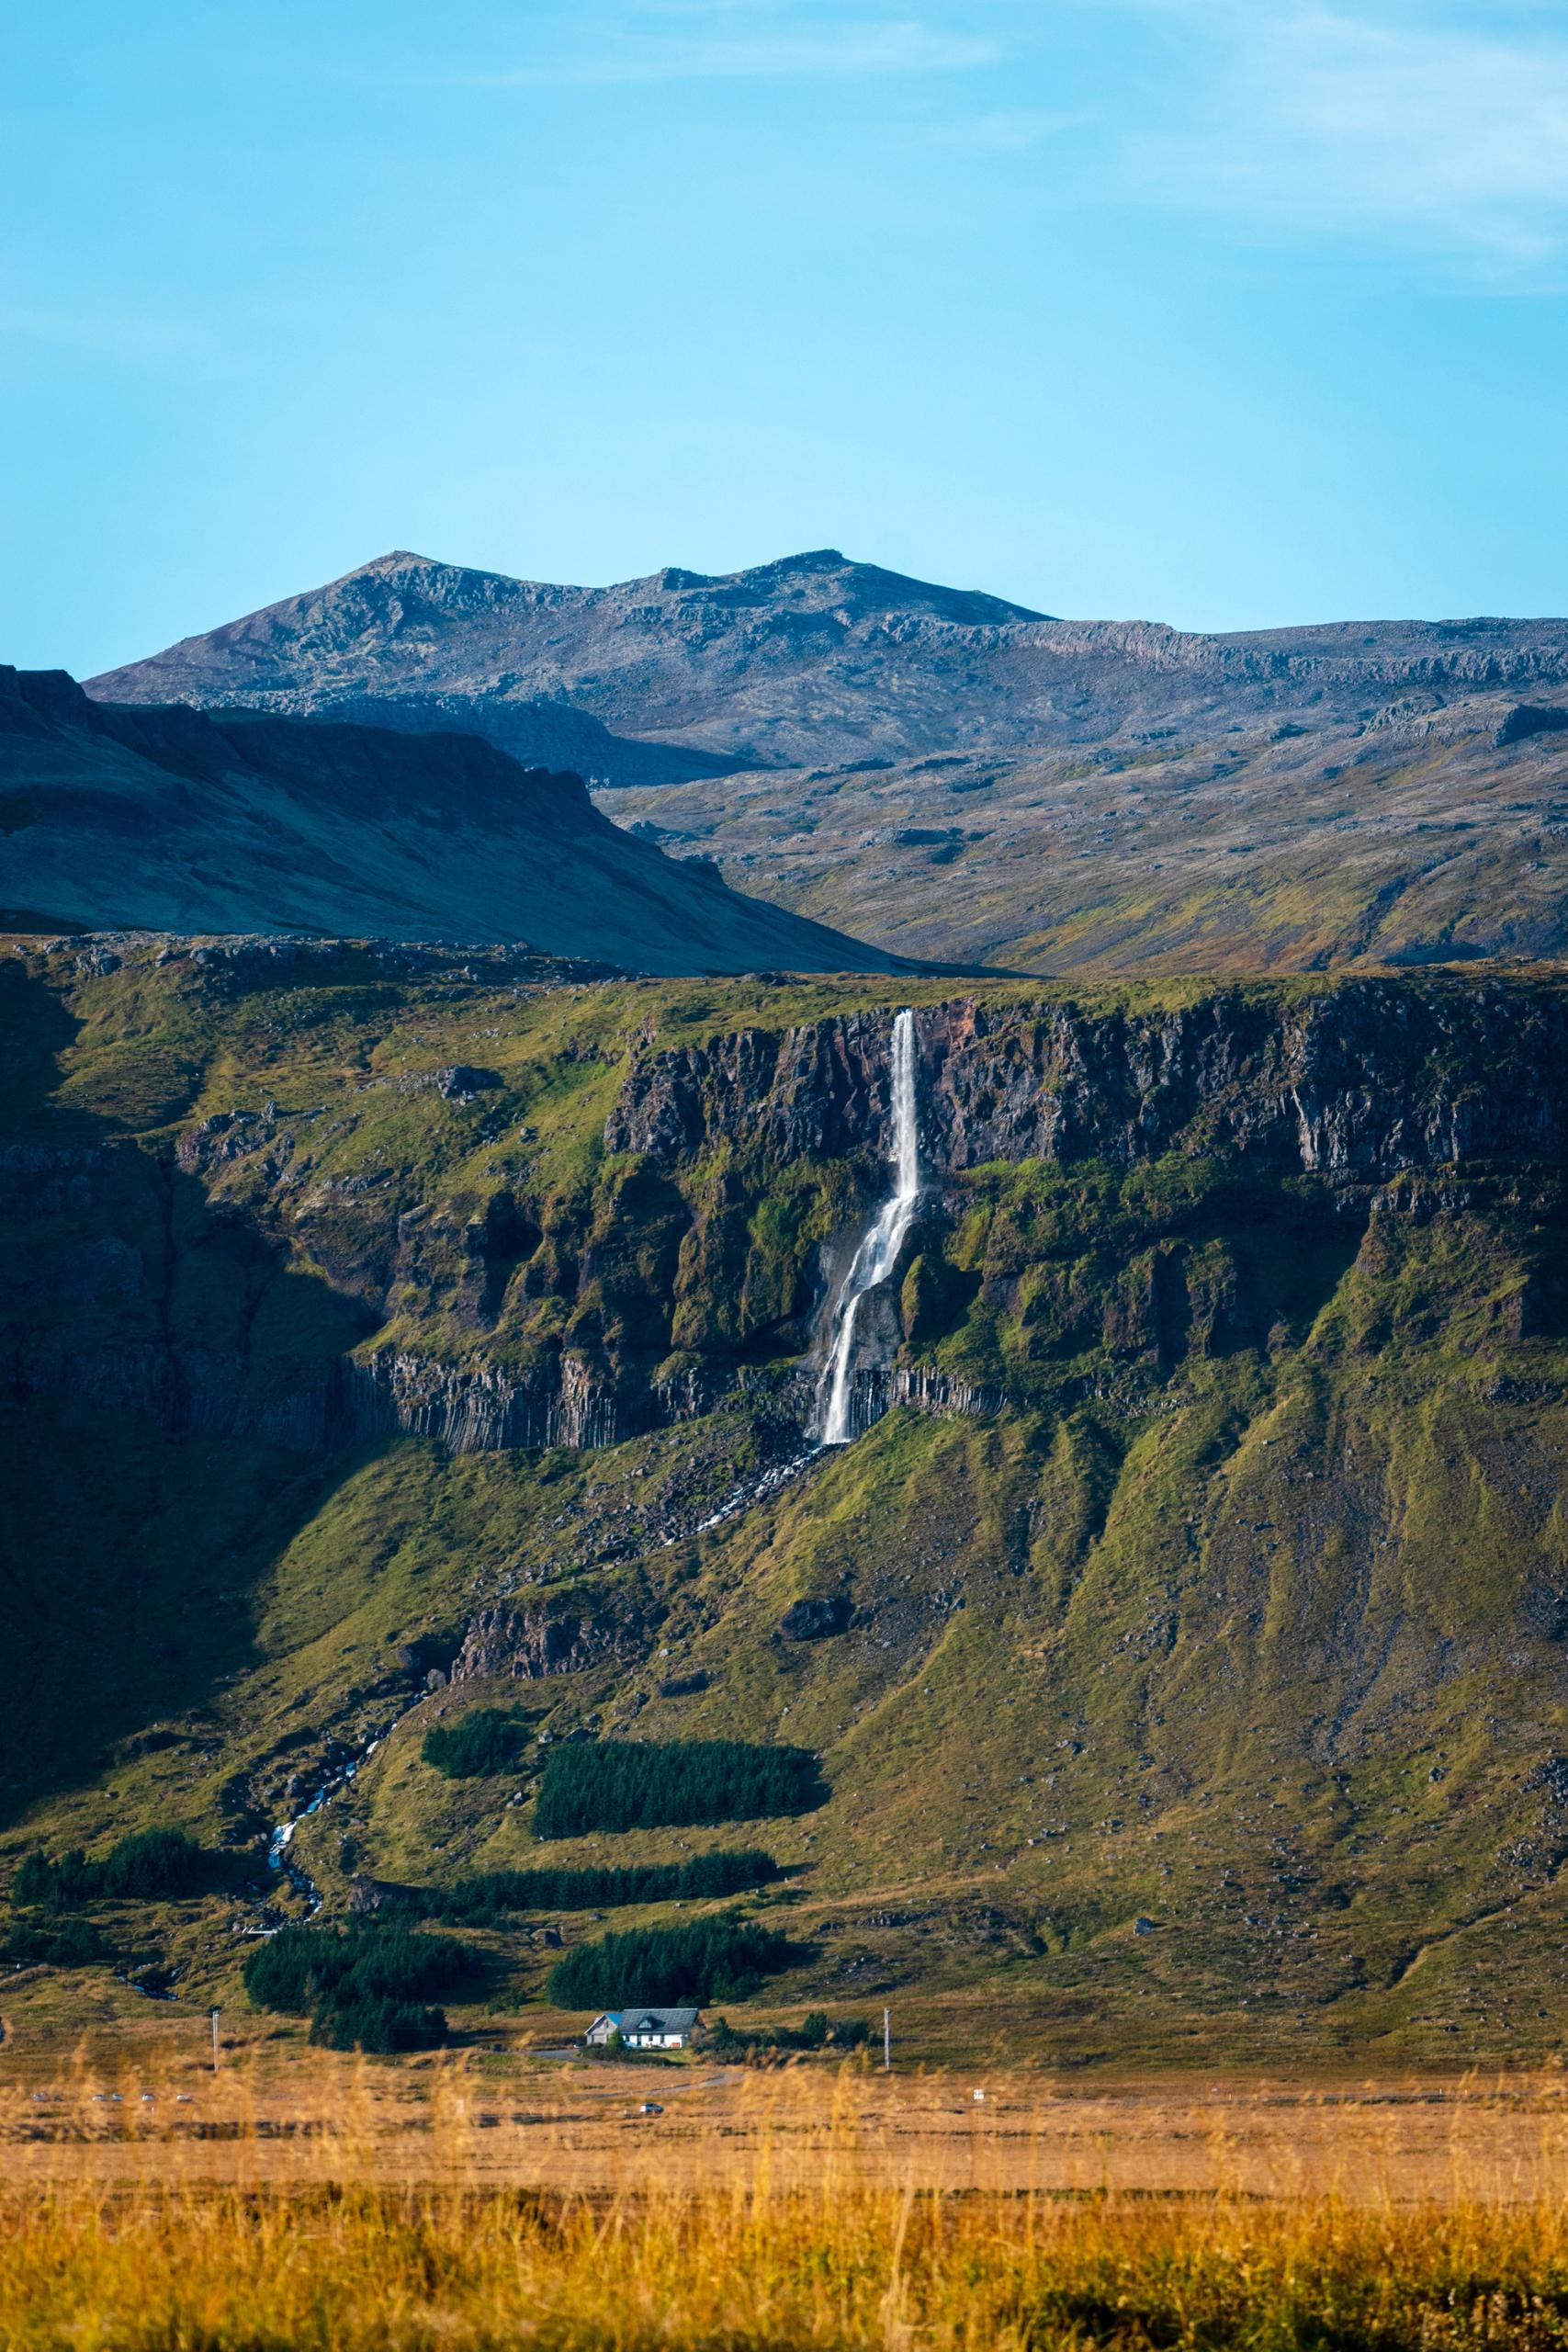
[397,559]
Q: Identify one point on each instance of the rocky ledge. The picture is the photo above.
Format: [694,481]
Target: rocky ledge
[1361,1079]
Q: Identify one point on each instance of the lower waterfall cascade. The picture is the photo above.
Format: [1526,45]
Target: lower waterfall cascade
[878,1252]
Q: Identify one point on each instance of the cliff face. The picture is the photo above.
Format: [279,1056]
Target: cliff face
[135,1297]
[274,1273]
[1362,1079]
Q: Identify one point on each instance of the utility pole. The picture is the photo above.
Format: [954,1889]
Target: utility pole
[216,2014]
[886,2041]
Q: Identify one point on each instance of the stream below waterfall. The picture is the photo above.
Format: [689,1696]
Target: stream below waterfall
[279,1857]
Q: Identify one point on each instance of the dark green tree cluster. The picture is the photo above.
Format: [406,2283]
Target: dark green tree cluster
[705,1959]
[362,1987]
[149,1865]
[816,2030]
[488,1894]
[60,1943]
[645,1784]
[488,1740]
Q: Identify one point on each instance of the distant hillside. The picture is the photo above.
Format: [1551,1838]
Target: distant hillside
[1409,839]
[167,820]
[964,779]
[815,661]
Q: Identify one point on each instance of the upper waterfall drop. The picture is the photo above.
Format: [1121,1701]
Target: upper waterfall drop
[878,1252]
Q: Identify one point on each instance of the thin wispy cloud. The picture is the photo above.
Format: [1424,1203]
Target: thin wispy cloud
[1371,121]
[841,51]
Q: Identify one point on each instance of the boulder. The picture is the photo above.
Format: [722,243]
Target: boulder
[461,1082]
[816,1619]
[684,1685]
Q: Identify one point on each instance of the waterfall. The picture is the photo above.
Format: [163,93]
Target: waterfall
[878,1252]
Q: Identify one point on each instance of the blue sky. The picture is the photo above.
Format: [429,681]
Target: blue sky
[1226,312]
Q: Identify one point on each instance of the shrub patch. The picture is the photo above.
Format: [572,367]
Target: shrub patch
[488,1894]
[149,1865]
[488,1740]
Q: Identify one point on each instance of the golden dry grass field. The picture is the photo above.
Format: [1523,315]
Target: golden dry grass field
[581,2129]
[490,2199]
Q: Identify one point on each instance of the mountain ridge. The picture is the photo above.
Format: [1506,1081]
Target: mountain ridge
[807,658]
[1096,795]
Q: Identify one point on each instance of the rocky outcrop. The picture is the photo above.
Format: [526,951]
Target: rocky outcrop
[875,1391]
[461,1082]
[1357,1081]
[818,1618]
[550,1637]
[1527,718]
[684,1685]
[367,1896]
[479,1407]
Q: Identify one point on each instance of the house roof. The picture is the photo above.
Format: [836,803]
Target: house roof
[641,2020]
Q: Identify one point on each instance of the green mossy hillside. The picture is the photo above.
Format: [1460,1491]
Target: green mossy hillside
[1195,1692]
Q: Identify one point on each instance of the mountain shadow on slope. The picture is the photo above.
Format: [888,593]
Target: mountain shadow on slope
[153,1343]
[166,818]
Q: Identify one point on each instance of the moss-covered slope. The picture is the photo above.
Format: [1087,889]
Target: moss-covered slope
[1191,1677]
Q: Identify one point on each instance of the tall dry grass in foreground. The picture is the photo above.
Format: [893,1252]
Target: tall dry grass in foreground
[776,2215]
[379,2268]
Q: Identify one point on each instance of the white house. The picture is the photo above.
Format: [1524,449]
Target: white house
[647,2029]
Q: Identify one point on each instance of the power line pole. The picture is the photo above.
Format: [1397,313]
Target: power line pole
[216,2014]
[886,2041]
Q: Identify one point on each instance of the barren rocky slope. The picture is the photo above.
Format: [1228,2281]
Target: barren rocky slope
[953,776]
[808,658]
[1185,1647]
[169,820]
[1409,840]
[815,660]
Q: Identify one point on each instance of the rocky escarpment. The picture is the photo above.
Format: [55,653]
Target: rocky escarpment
[1360,1080]
[372,1245]
[133,1293]
[557,1636]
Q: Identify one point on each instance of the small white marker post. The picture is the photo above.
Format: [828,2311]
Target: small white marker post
[886,2041]
[216,2014]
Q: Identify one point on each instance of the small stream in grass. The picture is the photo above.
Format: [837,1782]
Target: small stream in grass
[279,1848]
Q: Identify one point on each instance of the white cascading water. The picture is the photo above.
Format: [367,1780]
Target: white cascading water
[878,1252]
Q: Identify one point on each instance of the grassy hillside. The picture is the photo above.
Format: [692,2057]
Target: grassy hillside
[1197,1692]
